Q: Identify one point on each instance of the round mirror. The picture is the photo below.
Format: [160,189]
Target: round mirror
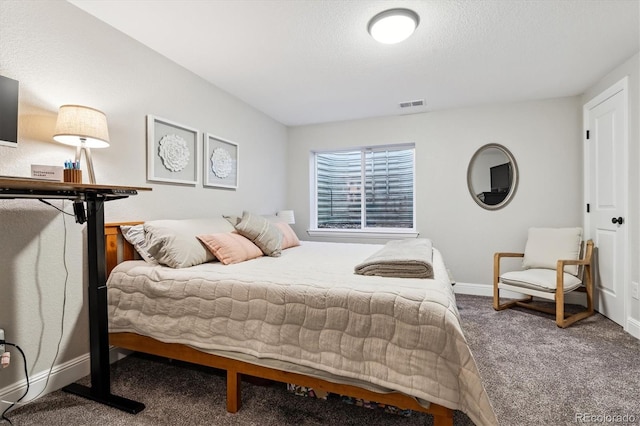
[492,176]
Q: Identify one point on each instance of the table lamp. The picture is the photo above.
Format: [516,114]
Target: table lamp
[84,128]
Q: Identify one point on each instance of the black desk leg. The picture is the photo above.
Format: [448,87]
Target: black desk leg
[100,390]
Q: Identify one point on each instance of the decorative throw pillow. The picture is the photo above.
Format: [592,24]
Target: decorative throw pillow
[174,242]
[230,247]
[134,234]
[289,237]
[262,232]
[545,246]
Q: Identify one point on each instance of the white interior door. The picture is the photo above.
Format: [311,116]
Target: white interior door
[606,194]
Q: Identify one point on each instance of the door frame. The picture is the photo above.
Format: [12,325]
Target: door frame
[620,86]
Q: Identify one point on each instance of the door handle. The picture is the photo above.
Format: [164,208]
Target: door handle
[618,220]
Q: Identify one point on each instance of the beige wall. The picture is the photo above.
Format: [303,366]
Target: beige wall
[630,69]
[62,55]
[543,136]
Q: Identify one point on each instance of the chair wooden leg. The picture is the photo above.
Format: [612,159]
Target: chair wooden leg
[573,318]
[496,279]
[560,294]
[583,314]
[589,288]
[510,304]
[560,320]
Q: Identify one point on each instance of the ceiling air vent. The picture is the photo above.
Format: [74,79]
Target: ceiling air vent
[412,104]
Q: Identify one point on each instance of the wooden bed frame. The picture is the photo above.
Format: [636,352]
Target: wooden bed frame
[118,250]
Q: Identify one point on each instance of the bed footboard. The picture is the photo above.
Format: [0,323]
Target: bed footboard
[235,369]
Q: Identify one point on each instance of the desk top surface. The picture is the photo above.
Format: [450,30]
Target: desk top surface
[10,184]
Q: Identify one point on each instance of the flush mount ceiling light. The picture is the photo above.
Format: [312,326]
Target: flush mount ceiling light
[393,25]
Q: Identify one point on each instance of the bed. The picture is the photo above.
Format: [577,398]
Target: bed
[303,318]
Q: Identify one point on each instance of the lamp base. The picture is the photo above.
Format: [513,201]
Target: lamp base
[87,154]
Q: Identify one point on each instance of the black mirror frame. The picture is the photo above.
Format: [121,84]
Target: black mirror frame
[514,183]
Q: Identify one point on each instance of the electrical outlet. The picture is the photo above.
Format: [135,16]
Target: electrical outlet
[634,290]
[1,341]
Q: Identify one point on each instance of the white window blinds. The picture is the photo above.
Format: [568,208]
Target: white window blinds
[387,176]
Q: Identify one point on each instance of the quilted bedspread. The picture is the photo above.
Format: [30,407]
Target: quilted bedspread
[307,307]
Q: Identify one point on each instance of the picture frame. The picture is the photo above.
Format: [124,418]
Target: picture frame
[221,162]
[173,152]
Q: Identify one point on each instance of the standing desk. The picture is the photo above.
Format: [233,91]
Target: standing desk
[94,196]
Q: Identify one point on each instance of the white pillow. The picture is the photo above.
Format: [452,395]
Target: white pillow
[174,242]
[545,246]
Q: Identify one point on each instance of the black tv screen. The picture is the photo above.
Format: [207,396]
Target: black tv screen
[8,111]
[501,177]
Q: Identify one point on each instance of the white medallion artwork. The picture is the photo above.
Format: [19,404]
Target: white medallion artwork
[174,152]
[221,163]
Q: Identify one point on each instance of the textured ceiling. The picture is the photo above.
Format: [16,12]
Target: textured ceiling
[312,61]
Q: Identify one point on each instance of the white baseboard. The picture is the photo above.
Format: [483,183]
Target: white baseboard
[633,327]
[475,289]
[61,375]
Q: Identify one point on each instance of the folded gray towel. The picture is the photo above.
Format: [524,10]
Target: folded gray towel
[410,258]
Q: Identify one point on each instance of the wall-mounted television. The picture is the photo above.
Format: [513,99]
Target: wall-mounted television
[501,177]
[8,112]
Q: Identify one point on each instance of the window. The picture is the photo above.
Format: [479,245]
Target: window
[387,176]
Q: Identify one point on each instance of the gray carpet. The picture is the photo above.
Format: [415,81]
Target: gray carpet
[534,373]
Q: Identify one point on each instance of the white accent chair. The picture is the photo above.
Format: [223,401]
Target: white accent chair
[555,261]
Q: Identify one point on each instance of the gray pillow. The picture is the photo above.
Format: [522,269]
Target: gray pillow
[262,232]
[134,234]
[174,242]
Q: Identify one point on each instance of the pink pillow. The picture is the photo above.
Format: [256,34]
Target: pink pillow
[230,247]
[289,237]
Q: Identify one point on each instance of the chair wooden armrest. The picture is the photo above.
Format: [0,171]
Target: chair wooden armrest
[507,254]
[585,261]
[587,280]
[496,263]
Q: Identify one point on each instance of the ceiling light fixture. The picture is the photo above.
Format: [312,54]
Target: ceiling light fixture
[393,25]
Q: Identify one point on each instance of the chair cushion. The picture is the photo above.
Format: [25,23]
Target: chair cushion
[539,279]
[545,246]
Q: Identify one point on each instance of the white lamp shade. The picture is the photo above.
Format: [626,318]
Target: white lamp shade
[80,125]
[287,216]
[393,26]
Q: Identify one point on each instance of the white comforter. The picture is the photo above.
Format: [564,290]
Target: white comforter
[307,307]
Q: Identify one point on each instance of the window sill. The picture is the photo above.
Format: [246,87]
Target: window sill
[358,233]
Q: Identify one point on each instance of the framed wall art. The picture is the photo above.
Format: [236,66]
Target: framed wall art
[221,161]
[173,152]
